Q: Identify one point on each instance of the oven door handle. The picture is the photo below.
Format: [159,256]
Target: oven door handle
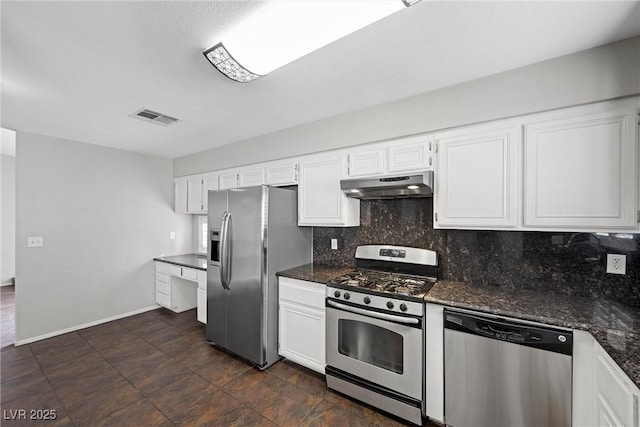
[375,314]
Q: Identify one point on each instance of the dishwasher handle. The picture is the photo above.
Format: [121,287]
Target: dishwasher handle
[510,330]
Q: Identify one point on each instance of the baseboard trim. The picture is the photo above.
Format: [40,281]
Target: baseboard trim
[84,325]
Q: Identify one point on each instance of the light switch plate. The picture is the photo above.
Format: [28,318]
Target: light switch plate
[334,243]
[172,235]
[35,242]
[616,264]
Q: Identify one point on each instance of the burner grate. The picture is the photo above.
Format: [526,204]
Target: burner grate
[386,282]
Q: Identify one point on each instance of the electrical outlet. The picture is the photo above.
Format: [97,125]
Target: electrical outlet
[35,242]
[334,243]
[616,264]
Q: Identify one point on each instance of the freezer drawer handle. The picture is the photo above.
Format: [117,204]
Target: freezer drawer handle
[225,251]
[383,316]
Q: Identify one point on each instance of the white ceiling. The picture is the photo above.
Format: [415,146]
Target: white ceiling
[76,69]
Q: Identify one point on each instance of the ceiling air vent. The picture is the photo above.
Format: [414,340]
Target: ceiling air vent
[153,117]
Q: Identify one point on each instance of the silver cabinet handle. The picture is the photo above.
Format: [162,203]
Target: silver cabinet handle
[225,251]
[383,316]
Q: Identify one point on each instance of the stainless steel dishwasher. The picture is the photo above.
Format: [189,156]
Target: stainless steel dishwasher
[505,372]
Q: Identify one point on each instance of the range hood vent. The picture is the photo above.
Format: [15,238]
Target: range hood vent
[153,117]
[390,187]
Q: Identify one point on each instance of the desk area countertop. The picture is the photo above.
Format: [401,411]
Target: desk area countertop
[187,260]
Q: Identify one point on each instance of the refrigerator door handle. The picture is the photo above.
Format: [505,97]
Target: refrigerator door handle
[225,251]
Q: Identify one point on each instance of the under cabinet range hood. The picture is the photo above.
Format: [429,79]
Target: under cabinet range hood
[390,187]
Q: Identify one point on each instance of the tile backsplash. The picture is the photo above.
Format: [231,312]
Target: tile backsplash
[567,263]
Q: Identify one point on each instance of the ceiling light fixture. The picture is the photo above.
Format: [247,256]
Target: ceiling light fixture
[412,187]
[286,30]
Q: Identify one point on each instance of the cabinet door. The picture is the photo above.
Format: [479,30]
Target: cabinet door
[282,174]
[228,180]
[477,176]
[320,199]
[202,306]
[434,362]
[194,194]
[616,396]
[366,162]
[250,177]
[301,335]
[581,169]
[409,154]
[180,202]
[209,183]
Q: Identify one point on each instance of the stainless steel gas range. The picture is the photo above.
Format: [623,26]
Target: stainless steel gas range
[374,328]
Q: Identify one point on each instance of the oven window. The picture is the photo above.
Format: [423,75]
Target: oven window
[371,344]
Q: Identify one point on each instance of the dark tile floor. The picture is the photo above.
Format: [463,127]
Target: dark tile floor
[155,369]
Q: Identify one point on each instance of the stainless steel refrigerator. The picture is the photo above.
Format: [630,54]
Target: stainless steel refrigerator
[253,234]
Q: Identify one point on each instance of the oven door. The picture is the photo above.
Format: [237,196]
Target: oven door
[384,352]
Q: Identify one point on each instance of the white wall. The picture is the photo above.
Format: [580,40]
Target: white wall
[7,218]
[597,74]
[104,214]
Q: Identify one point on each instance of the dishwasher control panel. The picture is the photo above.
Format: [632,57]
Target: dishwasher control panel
[511,330]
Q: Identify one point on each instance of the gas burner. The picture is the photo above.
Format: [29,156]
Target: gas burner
[385,283]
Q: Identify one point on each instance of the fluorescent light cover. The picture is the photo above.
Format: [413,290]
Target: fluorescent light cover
[286,30]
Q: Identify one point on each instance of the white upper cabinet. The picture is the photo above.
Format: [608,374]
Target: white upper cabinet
[191,192]
[320,199]
[410,154]
[228,179]
[366,162]
[209,182]
[581,168]
[194,195]
[180,195]
[477,176]
[281,173]
[250,177]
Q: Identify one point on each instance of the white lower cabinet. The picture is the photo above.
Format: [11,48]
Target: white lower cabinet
[434,362]
[175,287]
[202,305]
[616,396]
[603,395]
[301,328]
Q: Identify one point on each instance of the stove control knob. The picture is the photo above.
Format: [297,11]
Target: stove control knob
[336,294]
[367,300]
[390,305]
[346,295]
[403,307]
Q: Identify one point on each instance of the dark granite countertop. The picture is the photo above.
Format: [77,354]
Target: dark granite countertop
[615,326]
[186,260]
[315,273]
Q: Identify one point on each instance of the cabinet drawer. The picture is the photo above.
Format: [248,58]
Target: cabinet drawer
[163,300]
[302,292]
[162,287]
[161,267]
[189,274]
[161,277]
[175,271]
